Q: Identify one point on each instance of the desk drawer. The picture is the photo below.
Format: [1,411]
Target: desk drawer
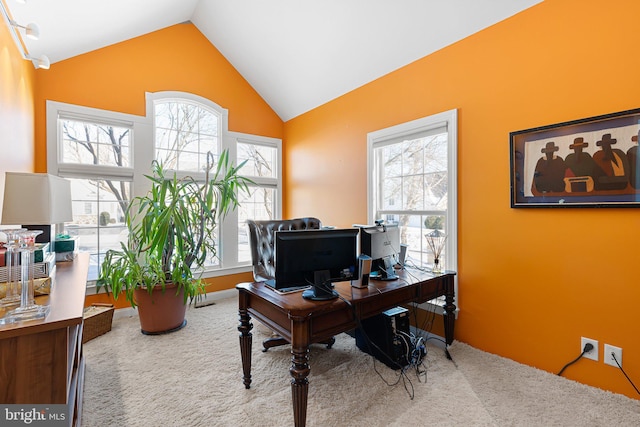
[368,307]
[329,324]
[434,288]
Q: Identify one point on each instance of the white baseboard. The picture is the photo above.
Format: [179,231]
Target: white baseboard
[211,297]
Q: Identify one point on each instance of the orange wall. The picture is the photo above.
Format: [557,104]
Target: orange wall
[531,281]
[177,58]
[16,109]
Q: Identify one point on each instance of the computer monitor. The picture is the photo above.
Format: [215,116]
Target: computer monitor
[315,257]
[382,244]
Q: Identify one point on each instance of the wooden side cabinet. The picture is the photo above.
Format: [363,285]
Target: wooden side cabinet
[41,361]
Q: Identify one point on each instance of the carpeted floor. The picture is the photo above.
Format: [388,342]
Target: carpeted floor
[194,378]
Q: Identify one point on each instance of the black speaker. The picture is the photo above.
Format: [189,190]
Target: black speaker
[47,234]
[386,337]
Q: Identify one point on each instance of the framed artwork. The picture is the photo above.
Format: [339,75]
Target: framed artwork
[589,162]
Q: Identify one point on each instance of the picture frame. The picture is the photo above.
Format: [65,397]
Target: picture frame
[591,162]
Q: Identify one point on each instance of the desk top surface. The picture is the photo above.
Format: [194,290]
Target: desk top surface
[66,299]
[294,302]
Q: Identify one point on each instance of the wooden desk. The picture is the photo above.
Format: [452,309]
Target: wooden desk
[41,361]
[302,322]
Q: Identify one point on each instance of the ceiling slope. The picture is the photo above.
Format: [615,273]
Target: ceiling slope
[296,54]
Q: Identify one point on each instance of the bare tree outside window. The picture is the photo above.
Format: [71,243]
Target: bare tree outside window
[99,202]
[260,163]
[261,166]
[184,134]
[90,143]
[413,187]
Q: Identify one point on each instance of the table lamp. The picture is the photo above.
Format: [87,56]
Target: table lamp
[36,201]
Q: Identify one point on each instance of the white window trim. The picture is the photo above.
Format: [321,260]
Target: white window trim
[393,134]
[231,140]
[267,142]
[140,125]
[142,131]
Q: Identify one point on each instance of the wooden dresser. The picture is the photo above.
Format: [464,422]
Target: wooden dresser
[41,361]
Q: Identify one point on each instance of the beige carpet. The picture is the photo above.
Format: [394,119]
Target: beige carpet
[194,378]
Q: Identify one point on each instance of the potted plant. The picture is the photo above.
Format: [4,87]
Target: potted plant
[171,234]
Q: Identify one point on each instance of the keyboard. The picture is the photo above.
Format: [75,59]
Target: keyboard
[272,284]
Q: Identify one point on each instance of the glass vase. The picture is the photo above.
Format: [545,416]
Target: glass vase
[437,266]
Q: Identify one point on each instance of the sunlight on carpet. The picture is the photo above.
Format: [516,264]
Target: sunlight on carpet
[193,377]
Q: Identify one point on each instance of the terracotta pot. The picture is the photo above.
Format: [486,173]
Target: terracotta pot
[161,312]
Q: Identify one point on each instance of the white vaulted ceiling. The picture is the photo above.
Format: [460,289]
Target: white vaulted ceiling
[297,54]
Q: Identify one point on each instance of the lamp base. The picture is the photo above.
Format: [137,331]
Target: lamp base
[29,312]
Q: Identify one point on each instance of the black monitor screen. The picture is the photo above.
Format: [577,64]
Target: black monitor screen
[315,257]
[382,244]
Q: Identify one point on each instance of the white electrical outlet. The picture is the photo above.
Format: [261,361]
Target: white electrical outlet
[593,354]
[608,358]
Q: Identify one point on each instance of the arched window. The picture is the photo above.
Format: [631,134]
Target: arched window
[185,130]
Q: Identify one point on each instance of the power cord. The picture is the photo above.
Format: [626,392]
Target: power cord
[587,348]
[625,374]
[402,375]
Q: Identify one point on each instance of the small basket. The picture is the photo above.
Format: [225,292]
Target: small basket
[97,320]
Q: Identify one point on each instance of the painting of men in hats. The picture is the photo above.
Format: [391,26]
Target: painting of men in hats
[586,163]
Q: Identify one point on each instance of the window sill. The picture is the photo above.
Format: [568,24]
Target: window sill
[207,274]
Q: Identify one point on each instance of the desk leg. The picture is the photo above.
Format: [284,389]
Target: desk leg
[299,369]
[449,314]
[245,339]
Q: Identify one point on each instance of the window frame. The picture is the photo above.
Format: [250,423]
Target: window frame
[55,166]
[275,183]
[190,98]
[142,152]
[393,134]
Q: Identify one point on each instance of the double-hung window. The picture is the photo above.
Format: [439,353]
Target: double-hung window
[263,158]
[94,150]
[412,183]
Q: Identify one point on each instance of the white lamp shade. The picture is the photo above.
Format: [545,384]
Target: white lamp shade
[36,198]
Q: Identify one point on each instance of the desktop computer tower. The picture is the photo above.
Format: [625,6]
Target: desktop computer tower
[382,337]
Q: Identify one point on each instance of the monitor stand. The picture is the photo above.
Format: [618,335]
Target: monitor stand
[321,290]
[386,269]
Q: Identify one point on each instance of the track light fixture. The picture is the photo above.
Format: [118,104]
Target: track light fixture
[40,62]
[31,30]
